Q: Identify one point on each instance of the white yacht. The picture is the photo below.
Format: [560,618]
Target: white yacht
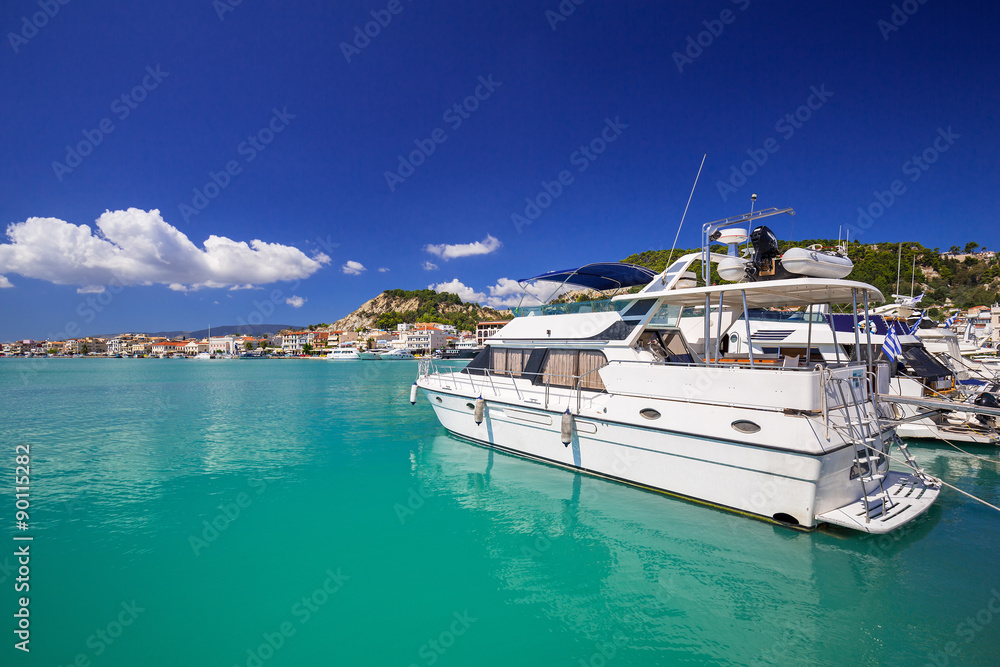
[344,354]
[396,354]
[639,388]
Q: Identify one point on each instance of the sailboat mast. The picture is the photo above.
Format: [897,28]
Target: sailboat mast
[899,261]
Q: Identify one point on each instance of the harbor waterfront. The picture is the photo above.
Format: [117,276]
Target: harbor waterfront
[306,513]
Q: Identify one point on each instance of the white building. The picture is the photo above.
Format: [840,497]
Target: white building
[292,343]
[224,344]
[117,345]
[423,340]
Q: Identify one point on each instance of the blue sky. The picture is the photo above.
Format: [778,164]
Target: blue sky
[269,138]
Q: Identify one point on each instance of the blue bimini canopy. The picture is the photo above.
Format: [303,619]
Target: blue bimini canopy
[602,276]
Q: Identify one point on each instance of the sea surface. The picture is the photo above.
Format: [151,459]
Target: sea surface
[263,513]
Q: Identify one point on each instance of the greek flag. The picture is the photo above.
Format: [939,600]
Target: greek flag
[891,347]
[951,320]
[913,329]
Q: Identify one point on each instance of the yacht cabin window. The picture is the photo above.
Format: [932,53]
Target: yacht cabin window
[665,316]
[563,368]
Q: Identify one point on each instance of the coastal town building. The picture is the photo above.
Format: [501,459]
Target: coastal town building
[486,329]
[423,340]
[168,347]
[115,346]
[294,341]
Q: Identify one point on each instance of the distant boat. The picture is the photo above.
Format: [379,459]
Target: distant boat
[203,355]
[395,355]
[457,353]
[344,354]
[368,356]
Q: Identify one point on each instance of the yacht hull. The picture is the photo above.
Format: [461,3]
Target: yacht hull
[776,485]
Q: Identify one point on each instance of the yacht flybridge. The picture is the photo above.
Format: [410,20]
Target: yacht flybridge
[645,388]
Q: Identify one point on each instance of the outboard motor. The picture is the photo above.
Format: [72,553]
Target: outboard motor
[765,264]
[987,401]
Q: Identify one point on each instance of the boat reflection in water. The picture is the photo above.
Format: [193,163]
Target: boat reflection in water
[635,574]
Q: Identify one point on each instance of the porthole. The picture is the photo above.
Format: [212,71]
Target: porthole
[649,413]
[471,406]
[744,426]
[438,399]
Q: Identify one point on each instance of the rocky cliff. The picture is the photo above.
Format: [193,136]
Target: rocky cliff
[395,306]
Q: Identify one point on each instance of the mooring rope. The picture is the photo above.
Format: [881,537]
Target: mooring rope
[981,458]
[937,479]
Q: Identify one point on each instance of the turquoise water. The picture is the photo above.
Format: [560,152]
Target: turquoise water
[351,530]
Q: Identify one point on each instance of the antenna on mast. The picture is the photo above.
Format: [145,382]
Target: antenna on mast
[753,198]
[684,215]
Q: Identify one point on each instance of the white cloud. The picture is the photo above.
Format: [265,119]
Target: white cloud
[446,252]
[90,289]
[353,268]
[383,269]
[4,283]
[464,292]
[429,266]
[295,301]
[137,247]
[505,293]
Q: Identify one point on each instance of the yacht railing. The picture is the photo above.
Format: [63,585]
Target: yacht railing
[573,383]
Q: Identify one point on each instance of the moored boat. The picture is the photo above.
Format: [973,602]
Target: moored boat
[398,354]
[641,388]
[344,354]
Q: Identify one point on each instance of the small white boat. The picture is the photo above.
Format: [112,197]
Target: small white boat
[816,263]
[368,356]
[203,355]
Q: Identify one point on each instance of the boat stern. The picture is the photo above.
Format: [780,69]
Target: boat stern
[901,499]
